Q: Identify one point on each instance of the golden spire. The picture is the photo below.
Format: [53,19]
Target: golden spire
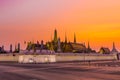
[65,38]
[55,35]
[74,38]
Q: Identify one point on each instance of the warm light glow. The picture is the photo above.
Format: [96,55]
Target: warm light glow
[96,21]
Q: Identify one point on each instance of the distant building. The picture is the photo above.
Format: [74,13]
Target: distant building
[18,47]
[55,36]
[74,38]
[55,45]
[114,50]
[78,48]
[104,50]
[59,46]
[11,48]
[38,48]
[2,50]
[35,46]
[65,46]
[74,47]
[89,49]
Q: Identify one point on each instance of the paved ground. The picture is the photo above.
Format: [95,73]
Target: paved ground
[61,71]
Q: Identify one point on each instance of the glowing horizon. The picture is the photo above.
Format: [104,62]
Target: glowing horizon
[95,21]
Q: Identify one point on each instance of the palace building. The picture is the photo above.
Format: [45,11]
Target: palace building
[68,46]
[55,45]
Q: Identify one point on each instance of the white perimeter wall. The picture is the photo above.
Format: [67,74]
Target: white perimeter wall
[36,58]
[85,57]
[57,57]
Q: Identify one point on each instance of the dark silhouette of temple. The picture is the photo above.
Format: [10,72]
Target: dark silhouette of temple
[68,46]
[36,46]
[56,45]
[114,50]
[105,50]
[17,48]
[2,49]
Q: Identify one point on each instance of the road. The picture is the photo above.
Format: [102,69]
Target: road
[60,71]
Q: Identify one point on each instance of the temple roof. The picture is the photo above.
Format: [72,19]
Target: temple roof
[105,50]
[78,46]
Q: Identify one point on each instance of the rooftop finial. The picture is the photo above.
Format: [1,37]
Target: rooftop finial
[114,50]
[65,38]
[55,35]
[74,38]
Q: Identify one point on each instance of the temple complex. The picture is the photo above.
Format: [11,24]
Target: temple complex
[66,46]
[55,45]
[114,50]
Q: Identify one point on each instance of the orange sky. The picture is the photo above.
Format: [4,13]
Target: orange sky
[96,21]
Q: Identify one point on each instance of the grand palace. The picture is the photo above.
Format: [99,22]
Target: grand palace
[56,45]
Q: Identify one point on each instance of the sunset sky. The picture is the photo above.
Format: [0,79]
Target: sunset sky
[96,21]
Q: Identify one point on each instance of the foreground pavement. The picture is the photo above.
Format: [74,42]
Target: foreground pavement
[61,71]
